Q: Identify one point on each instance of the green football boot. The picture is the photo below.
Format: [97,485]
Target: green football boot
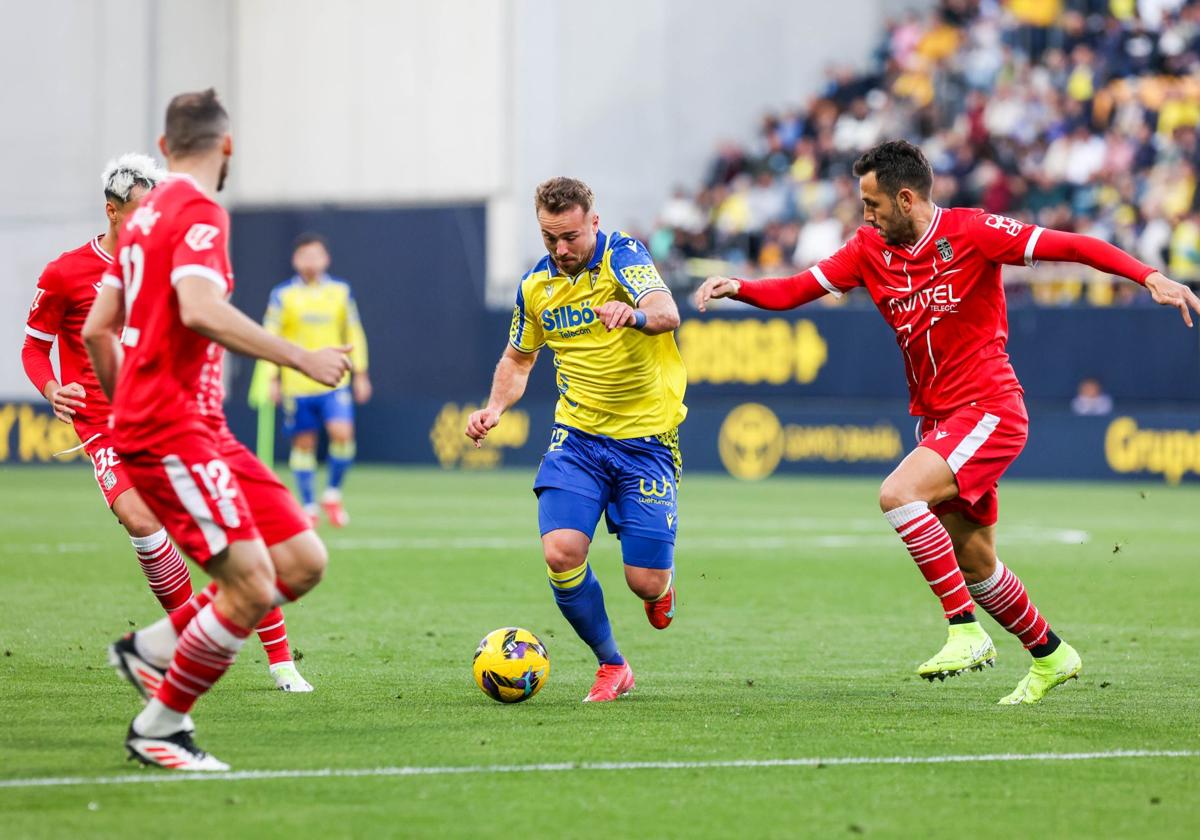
[968,648]
[1046,673]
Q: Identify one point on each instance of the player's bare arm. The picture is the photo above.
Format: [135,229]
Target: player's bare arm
[361,385]
[203,308]
[101,333]
[508,385]
[656,313]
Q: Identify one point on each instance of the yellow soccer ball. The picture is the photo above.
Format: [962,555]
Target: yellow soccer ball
[511,665]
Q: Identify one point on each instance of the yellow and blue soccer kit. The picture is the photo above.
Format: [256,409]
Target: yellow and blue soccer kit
[315,315]
[614,447]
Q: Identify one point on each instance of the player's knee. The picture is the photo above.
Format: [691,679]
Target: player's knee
[305,564]
[563,555]
[893,494]
[647,584]
[140,523]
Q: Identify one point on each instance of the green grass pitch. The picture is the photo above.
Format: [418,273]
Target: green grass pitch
[801,622]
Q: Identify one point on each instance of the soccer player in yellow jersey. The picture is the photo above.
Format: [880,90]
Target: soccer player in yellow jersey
[597,301]
[315,310]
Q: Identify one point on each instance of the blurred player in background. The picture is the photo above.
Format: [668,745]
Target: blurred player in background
[314,310]
[598,302]
[64,296]
[935,276]
[167,300]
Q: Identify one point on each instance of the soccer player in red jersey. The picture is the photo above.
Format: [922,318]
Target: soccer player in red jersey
[167,299]
[934,275]
[64,296]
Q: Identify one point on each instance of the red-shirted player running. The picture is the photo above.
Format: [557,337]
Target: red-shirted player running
[167,299]
[934,274]
[64,296]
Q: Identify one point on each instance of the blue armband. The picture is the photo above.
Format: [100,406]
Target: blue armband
[639,319]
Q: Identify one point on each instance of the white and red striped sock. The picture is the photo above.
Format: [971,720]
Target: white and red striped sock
[930,546]
[272,632]
[204,652]
[1005,599]
[164,568]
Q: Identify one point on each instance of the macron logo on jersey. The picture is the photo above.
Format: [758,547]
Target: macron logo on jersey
[143,219]
[200,236]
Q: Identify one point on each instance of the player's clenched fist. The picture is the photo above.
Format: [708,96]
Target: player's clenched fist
[327,365]
[715,287]
[480,423]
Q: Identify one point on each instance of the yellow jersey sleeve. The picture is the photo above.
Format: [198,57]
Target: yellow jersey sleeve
[634,268]
[525,333]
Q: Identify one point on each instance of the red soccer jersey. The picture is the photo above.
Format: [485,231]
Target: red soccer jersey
[64,297]
[170,380]
[944,298]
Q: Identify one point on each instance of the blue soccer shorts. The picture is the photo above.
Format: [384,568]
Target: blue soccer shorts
[634,483]
[310,414]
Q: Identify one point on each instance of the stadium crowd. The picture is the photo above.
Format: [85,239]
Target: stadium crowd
[1077,114]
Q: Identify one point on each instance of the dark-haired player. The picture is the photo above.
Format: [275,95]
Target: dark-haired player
[167,299]
[64,296]
[934,274]
[314,309]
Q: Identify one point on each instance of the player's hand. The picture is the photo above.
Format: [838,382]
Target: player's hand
[329,365]
[480,423]
[361,385]
[65,399]
[615,314]
[1166,291]
[716,287]
[275,392]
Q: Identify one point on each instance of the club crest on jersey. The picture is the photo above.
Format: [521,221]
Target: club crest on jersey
[143,219]
[887,258]
[200,236]
[944,249]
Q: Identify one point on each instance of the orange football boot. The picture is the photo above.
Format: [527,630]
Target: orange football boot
[611,682]
[661,612]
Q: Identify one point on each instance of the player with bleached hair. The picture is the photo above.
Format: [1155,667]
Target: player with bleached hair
[61,304]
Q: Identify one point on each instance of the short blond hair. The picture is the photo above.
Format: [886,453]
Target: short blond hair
[559,195]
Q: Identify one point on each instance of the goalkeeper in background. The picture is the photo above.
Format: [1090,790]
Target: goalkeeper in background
[316,310]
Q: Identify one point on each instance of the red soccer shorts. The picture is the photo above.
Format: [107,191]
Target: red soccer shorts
[978,441]
[111,474]
[208,490]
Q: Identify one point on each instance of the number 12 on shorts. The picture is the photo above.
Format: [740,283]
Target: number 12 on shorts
[216,478]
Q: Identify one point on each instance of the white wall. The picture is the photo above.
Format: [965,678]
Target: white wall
[370,101]
[633,96]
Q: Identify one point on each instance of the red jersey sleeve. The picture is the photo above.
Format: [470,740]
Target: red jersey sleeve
[1003,240]
[202,249]
[840,273]
[49,302]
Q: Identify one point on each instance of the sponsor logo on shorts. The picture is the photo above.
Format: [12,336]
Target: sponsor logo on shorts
[653,494]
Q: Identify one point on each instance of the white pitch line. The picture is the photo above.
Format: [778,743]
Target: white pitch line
[150,777]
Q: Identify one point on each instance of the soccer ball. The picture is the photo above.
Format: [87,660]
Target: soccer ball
[511,665]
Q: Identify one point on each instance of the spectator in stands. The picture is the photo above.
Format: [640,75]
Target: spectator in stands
[1090,400]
